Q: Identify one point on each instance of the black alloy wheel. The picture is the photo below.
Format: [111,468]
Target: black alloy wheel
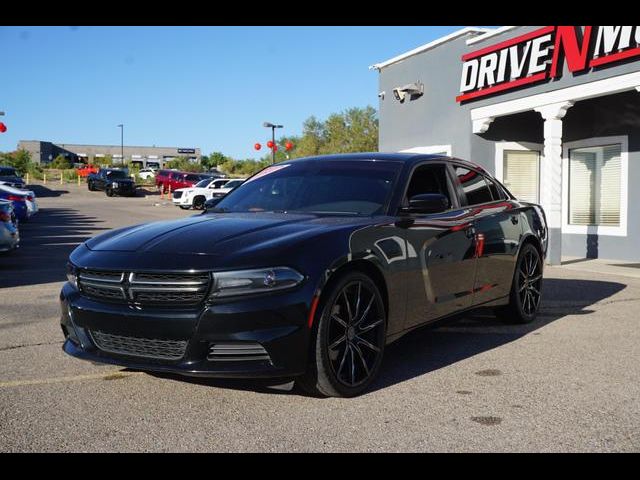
[526,289]
[109,192]
[90,186]
[350,338]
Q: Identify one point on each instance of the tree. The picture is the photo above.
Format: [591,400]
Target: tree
[20,160]
[61,162]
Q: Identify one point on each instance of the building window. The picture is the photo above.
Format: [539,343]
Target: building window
[594,185]
[521,174]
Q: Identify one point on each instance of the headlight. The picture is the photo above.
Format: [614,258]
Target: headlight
[114,184]
[72,276]
[248,282]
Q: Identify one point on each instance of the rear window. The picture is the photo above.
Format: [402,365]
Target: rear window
[192,178]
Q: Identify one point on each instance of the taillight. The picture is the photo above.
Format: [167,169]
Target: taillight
[15,198]
[5,217]
[30,198]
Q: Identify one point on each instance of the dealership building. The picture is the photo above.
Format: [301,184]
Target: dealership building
[552,111]
[44,152]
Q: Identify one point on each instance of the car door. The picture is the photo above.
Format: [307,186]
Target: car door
[497,233]
[440,246]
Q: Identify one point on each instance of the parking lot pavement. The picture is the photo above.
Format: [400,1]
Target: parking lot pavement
[568,382]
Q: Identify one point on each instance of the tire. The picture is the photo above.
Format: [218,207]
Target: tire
[109,192]
[184,207]
[345,364]
[198,203]
[90,186]
[526,288]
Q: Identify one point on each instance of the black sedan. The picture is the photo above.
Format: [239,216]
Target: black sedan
[307,270]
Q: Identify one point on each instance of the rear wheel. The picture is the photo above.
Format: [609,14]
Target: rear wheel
[90,186]
[349,339]
[526,288]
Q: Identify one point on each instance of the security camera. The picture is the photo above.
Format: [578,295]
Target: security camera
[413,89]
[381,95]
[399,94]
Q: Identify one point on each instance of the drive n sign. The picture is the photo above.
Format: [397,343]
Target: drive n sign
[539,55]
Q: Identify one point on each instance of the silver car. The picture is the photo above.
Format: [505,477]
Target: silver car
[9,234]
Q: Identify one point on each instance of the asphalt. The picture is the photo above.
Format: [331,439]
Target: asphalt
[568,382]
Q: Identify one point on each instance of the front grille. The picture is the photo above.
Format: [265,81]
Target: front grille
[145,288]
[237,351]
[177,194]
[140,347]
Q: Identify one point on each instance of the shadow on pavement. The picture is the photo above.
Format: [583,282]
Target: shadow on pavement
[44,191]
[46,241]
[442,344]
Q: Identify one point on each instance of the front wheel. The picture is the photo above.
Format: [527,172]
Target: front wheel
[109,192]
[348,340]
[526,288]
[198,203]
[90,186]
[184,207]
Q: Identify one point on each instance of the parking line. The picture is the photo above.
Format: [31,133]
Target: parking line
[74,378]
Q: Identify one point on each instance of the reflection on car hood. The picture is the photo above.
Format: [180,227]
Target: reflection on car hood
[218,234]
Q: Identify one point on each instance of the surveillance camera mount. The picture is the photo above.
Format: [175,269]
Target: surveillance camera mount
[414,90]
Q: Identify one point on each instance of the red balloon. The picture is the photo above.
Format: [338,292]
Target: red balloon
[288,146]
[257,146]
[270,144]
[275,148]
[3,127]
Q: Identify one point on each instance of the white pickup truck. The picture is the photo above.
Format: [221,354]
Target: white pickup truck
[194,197]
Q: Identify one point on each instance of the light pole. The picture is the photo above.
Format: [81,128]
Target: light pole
[121,143]
[273,138]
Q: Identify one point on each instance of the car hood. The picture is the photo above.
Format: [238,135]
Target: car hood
[219,234]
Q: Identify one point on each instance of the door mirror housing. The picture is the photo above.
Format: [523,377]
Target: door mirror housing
[427,203]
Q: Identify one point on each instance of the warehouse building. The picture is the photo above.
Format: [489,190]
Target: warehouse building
[44,152]
[552,111]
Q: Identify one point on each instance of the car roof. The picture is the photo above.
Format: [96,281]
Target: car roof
[400,157]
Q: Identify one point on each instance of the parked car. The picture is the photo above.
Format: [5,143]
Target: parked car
[230,185]
[147,173]
[113,182]
[217,173]
[153,165]
[86,170]
[164,178]
[197,195]
[21,200]
[9,233]
[32,204]
[9,176]
[307,270]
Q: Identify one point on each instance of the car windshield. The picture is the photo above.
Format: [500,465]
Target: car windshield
[116,174]
[203,183]
[330,187]
[7,171]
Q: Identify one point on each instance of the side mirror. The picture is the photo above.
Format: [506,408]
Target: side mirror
[211,203]
[427,203]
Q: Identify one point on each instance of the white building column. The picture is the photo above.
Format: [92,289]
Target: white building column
[551,175]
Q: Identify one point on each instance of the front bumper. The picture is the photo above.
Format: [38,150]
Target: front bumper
[183,200]
[276,322]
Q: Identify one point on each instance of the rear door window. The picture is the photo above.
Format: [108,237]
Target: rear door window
[474,185]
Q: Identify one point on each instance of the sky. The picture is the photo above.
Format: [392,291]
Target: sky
[207,87]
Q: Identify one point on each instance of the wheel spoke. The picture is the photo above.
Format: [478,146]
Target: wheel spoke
[340,321]
[371,326]
[337,342]
[355,315]
[346,301]
[366,311]
[353,366]
[366,343]
[535,264]
[361,355]
[344,357]
[534,290]
[535,279]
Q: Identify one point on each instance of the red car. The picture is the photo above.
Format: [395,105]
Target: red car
[86,170]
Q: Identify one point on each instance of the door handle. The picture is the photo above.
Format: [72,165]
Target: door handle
[514,219]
